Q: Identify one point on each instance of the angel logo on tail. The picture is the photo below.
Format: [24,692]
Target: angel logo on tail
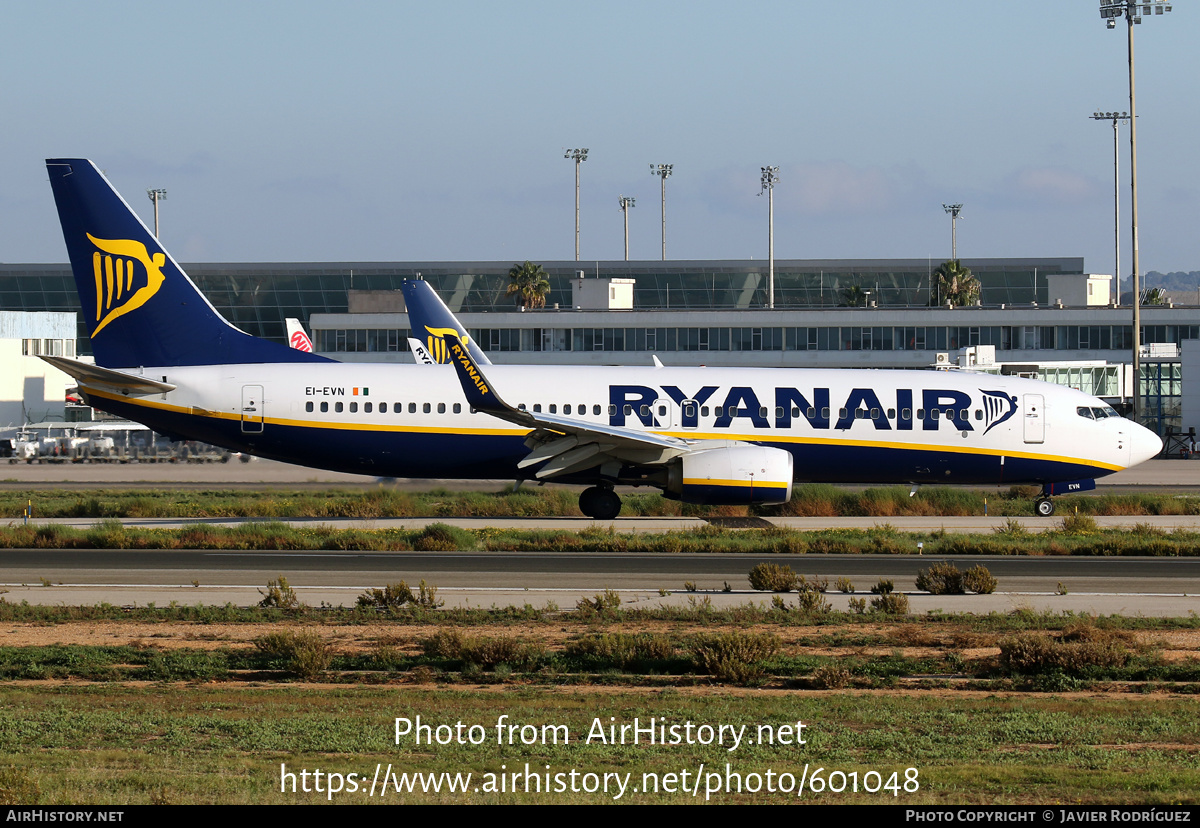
[113,268]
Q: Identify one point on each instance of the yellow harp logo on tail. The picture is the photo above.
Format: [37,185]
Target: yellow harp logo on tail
[437,343]
[120,287]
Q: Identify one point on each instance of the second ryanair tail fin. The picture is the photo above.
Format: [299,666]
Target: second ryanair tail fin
[141,308]
[433,326]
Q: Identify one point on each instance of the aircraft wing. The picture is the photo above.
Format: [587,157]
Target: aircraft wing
[564,444]
[106,379]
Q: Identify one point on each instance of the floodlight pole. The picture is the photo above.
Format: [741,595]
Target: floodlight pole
[954,210]
[1132,11]
[770,175]
[578,156]
[663,171]
[156,195]
[1116,118]
[627,202]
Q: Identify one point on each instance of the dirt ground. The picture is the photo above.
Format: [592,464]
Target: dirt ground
[916,642]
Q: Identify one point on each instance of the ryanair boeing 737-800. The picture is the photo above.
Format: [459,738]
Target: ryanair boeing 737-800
[166,358]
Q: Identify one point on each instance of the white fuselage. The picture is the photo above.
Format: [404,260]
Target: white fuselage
[840,425]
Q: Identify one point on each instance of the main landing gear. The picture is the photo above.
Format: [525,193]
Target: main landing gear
[600,503]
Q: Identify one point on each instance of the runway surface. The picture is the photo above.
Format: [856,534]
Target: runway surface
[1154,586]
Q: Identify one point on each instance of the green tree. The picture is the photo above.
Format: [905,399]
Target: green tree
[853,297]
[953,283]
[529,284]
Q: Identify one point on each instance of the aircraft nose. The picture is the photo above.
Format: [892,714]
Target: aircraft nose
[1143,444]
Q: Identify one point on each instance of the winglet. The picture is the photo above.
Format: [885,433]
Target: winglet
[479,392]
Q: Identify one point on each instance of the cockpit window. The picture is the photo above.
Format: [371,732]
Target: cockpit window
[1099,413]
[1084,412]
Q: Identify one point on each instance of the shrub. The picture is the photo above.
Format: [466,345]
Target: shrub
[622,649]
[769,577]
[884,587]
[979,580]
[394,596]
[816,584]
[830,677]
[279,595]
[941,579]
[1012,528]
[812,602]
[303,653]
[845,585]
[441,537]
[858,606]
[1079,647]
[735,657]
[890,603]
[603,603]
[1079,525]
[482,651]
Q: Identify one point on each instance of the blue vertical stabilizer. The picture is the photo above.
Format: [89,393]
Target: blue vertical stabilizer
[141,308]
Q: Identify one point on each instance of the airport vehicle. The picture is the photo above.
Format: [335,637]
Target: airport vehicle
[166,358]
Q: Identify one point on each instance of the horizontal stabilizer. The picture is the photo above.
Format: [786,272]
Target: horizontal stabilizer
[105,379]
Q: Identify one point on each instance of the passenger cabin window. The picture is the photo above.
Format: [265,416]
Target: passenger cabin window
[383,408]
[324,407]
[426,408]
[596,410]
[412,408]
[367,408]
[458,408]
[353,408]
[308,406]
[441,408]
[337,407]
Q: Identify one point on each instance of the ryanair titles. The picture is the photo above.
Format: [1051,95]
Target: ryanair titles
[909,409]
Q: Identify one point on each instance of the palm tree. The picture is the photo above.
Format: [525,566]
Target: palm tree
[853,297]
[954,284]
[529,284]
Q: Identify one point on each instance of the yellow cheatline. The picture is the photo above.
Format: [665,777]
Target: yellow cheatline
[741,484]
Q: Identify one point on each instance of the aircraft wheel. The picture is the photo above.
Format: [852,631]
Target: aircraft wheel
[600,503]
[1045,507]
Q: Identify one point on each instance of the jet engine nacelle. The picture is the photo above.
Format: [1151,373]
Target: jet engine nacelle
[732,474]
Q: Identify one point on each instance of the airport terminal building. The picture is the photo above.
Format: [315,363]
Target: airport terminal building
[1043,316]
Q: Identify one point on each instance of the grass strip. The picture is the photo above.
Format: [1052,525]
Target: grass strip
[815,500]
[1075,535]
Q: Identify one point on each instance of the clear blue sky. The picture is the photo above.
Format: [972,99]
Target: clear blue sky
[294,131]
